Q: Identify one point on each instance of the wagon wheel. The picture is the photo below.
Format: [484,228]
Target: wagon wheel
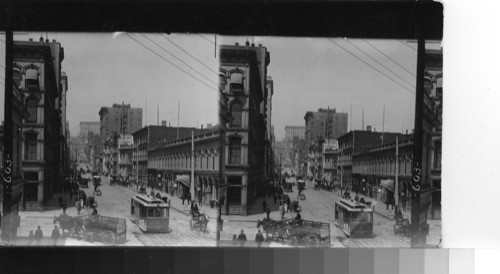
[108,237]
[293,241]
[88,236]
[191,224]
[312,241]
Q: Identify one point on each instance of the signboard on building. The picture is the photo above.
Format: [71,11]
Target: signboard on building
[330,145]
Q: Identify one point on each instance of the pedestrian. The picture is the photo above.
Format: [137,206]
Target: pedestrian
[264,205]
[15,223]
[60,201]
[55,235]
[275,197]
[286,206]
[281,209]
[71,194]
[158,195]
[38,235]
[152,193]
[94,212]
[64,206]
[259,238]
[183,198]
[235,239]
[31,238]
[242,238]
[403,201]
[78,206]
[189,198]
[268,212]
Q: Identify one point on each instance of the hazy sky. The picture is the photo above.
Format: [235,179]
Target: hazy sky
[308,73]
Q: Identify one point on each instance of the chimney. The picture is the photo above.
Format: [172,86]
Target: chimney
[163,123]
[41,38]
[369,128]
[406,132]
[253,45]
[236,44]
[31,39]
[201,126]
[47,40]
[247,43]
[374,129]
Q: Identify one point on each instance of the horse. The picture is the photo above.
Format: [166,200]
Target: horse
[278,229]
[70,224]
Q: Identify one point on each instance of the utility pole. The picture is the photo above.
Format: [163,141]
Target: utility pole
[137,163]
[396,185]
[192,167]
[178,114]
[8,136]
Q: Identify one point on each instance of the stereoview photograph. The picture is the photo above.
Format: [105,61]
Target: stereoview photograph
[139,139]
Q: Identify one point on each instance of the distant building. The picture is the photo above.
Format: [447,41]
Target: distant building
[325,124]
[86,127]
[119,119]
[292,131]
[125,156]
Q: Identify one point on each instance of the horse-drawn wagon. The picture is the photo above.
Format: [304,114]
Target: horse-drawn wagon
[297,232]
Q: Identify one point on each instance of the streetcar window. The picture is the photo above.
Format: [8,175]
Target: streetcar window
[144,211]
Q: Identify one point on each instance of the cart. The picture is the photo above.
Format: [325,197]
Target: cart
[199,220]
[402,226]
[108,230]
[297,232]
[71,226]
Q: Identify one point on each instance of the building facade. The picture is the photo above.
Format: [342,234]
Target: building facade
[119,119]
[292,131]
[125,155]
[149,137]
[37,73]
[325,124]
[174,165]
[86,127]
[243,79]
[330,157]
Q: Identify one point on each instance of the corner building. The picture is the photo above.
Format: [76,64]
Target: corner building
[243,79]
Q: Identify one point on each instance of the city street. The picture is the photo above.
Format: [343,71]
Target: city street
[319,206]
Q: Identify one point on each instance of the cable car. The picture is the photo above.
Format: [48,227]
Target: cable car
[149,213]
[354,218]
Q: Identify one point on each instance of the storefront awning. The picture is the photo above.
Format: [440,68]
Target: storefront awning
[387,184]
[183,179]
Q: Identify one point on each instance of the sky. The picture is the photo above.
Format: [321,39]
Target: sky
[308,73]
[104,69]
[312,73]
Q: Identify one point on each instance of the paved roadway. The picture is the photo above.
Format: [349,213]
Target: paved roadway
[318,206]
[115,201]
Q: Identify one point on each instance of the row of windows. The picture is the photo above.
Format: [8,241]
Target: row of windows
[404,168]
[200,163]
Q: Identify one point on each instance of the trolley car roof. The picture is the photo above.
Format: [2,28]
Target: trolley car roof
[147,200]
[354,206]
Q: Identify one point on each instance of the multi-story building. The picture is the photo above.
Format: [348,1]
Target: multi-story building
[352,143]
[373,164]
[243,71]
[19,113]
[269,154]
[330,157]
[174,164]
[119,119]
[125,150]
[325,124]
[292,131]
[148,137]
[433,84]
[86,127]
[37,73]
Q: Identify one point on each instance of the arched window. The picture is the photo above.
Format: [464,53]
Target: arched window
[32,77]
[235,151]
[32,106]
[236,113]
[31,146]
[236,82]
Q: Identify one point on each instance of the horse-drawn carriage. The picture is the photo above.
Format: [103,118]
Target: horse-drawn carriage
[288,187]
[108,230]
[199,220]
[297,232]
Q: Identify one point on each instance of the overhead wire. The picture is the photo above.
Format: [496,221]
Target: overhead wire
[186,72]
[404,43]
[173,55]
[206,38]
[411,73]
[373,59]
[355,56]
[189,54]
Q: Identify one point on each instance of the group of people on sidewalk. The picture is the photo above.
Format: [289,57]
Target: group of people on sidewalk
[38,236]
[241,239]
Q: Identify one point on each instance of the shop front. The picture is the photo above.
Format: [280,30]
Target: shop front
[181,185]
